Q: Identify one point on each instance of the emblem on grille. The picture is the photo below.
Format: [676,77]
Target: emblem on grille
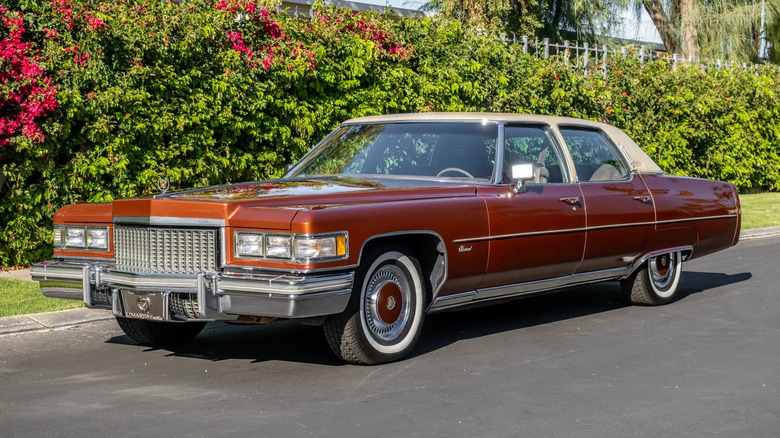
[163,184]
[144,304]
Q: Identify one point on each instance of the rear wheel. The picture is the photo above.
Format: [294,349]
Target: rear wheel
[386,312]
[156,333]
[656,281]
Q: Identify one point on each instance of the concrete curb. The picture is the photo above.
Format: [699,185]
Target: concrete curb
[757,233]
[19,274]
[51,320]
[65,318]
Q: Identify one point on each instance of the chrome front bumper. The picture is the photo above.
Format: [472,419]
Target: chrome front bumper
[206,296]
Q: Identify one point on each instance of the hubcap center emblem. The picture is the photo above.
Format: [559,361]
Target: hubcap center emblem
[390,303]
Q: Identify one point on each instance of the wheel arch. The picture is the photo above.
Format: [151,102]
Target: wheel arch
[685,250]
[427,246]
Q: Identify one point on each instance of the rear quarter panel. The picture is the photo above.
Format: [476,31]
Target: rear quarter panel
[692,208]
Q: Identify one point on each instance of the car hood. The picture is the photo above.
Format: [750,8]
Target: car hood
[306,193]
[268,204]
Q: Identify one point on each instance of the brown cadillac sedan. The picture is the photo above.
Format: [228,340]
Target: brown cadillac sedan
[389,219]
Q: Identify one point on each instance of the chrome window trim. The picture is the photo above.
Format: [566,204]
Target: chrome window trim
[624,159]
[499,159]
[483,121]
[627,179]
[563,155]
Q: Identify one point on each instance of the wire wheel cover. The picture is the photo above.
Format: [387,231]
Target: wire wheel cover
[662,270]
[387,303]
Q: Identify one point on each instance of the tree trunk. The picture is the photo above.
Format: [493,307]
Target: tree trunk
[690,36]
[663,25]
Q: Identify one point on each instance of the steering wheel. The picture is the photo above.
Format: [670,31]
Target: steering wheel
[454,169]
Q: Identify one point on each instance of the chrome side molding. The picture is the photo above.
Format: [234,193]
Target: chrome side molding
[479,296]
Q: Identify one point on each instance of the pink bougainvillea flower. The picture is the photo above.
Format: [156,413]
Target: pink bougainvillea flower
[32,95]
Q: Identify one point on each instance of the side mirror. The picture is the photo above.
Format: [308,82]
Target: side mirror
[522,173]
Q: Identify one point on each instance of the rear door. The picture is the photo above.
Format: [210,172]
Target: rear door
[619,208]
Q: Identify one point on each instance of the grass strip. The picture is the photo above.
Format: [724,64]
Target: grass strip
[19,297]
[760,210]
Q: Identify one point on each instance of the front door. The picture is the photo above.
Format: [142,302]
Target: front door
[540,233]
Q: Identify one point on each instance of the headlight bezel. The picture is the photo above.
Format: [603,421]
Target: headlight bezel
[66,238]
[274,245]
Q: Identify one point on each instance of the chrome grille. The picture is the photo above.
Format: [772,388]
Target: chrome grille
[165,250]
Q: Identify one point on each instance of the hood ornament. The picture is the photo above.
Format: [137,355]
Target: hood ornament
[163,184]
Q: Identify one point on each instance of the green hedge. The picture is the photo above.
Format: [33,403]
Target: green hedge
[211,92]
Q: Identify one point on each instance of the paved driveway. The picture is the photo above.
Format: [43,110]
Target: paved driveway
[573,364]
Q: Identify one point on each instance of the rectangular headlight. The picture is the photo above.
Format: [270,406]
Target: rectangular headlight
[75,237]
[97,238]
[249,244]
[81,237]
[278,246]
[320,247]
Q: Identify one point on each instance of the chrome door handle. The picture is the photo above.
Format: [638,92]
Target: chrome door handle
[574,200]
[644,199]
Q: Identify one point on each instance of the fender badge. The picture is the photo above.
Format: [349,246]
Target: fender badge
[163,184]
[464,248]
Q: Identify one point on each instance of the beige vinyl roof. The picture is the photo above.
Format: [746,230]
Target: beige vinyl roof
[640,161]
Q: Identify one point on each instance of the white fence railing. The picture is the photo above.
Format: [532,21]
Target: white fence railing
[593,59]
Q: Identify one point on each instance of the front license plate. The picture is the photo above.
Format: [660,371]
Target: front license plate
[143,305]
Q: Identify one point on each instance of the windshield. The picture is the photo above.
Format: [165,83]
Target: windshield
[445,150]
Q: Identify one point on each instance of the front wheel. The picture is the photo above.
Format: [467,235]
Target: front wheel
[386,312]
[156,333]
[656,281]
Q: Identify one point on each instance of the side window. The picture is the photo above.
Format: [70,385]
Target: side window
[594,155]
[531,144]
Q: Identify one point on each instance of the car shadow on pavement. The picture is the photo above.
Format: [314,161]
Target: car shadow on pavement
[285,341]
[582,301]
[289,341]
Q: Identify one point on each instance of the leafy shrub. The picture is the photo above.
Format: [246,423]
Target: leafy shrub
[223,91]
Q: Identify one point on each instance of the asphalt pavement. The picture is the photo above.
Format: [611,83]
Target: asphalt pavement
[578,363]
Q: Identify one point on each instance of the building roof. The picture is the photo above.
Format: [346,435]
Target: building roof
[358,6]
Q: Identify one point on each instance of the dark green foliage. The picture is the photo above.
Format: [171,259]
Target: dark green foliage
[192,93]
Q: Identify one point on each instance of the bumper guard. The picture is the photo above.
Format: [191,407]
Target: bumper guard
[205,296]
